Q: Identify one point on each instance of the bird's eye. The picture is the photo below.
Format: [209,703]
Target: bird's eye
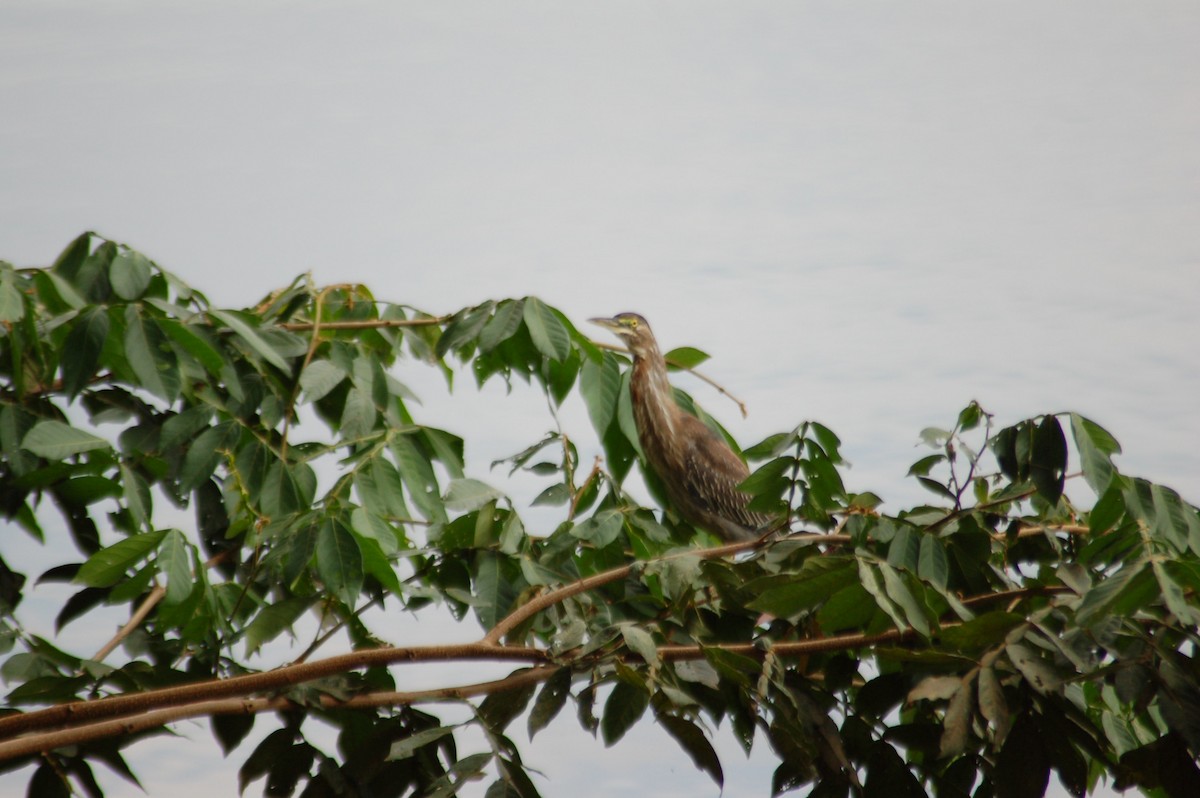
[632,324]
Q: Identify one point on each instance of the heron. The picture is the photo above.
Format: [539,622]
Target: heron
[698,469]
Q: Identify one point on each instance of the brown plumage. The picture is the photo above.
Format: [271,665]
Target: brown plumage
[700,472]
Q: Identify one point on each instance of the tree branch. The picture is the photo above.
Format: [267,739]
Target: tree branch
[34,743]
[286,676]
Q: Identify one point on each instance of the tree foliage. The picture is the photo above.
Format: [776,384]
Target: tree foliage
[966,647]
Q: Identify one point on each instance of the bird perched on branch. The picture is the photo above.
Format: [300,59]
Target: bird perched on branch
[700,472]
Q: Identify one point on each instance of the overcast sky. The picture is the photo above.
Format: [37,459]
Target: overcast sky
[869,213]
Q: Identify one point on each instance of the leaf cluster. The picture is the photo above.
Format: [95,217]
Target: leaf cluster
[965,647]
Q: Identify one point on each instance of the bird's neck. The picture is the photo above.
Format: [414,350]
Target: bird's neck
[654,404]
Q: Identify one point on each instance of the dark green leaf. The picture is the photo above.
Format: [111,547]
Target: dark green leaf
[149,355]
[230,730]
[274,619]
[1048,465]
[624,708]
[195,342]
[175,563]
[81,353]
[550,700]
[981,632]
[501,708]
[694,742]
[1023,766]
[245,328]
[339,562]
[463,327]
[811,588]
[107,566]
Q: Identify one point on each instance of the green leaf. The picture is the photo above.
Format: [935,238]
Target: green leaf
[869,578]
[810,588]
[251,336]
[923,466]
[358,414]
[548,333]
[82,350]
[174,562]
[1096,447]
[467,495]
[982,632]
[694,742]
[405,748]
[1099,602]
[319,378]
[230,730]
[932,564]
[899,592]
[502,325]
[55,440]
[12,304]
[380,489]
[1048,464]
[137,495]
[463,327]
[205,454]
[601,529]
[624,708]
[501,708]
[106,567]
[195,342]
[641,643]
[376,562]
[685,357]
[339,562]
[149,356]
[600,384]
[273,620]
[129,274]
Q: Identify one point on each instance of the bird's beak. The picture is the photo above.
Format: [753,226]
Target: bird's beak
[608,324]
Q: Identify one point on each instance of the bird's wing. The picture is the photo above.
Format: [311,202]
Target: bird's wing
[712,473]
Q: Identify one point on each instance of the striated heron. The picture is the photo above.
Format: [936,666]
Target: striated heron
[700,472]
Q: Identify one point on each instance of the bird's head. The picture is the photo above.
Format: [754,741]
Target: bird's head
[633,330]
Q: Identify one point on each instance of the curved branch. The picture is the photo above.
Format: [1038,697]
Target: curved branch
[126,704]
[35,743]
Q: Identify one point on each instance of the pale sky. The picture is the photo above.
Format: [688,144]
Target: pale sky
[868,213]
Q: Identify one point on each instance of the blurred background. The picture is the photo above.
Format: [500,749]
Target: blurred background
[868,214]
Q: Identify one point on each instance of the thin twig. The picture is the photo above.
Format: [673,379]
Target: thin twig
[150,602]
[152,598]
